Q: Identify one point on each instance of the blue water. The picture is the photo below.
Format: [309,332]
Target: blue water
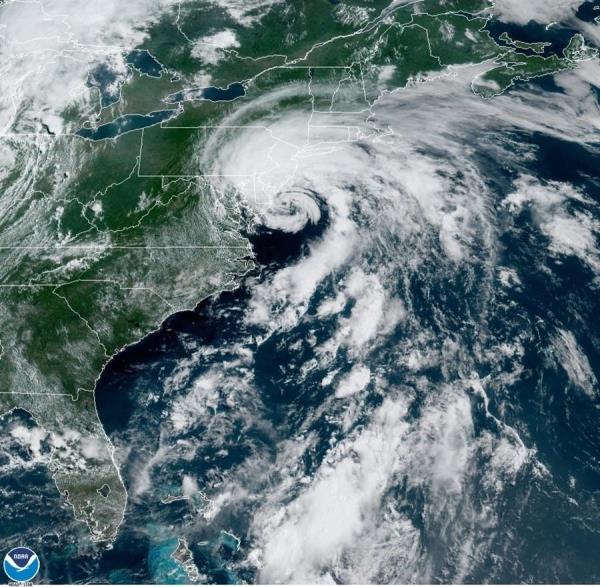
[210,93]
[107,82]
[161,566]
[589,11]
[125,123]
[231,92]
[558,37]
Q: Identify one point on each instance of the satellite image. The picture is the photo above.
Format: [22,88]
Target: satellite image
[300,291]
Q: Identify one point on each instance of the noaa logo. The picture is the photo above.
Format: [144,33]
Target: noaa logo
[21,564]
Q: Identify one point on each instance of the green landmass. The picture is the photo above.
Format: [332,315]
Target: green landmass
[535,47]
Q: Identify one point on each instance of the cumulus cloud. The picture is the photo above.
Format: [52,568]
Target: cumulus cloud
[542,11]
[570,231]
[572,358]
[338,506]
[211,49]
[356,380]
[345,527]
[245,11]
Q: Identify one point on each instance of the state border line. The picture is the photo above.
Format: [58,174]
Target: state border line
[132,247]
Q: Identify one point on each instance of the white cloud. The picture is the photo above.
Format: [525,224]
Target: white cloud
[571,357]
[342,523]
[338,506]
[246,12]
[569,231]
[202,399]
[210,49]
[47,49]
[33,437]
[542,11]
[189,486]
[356,380]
